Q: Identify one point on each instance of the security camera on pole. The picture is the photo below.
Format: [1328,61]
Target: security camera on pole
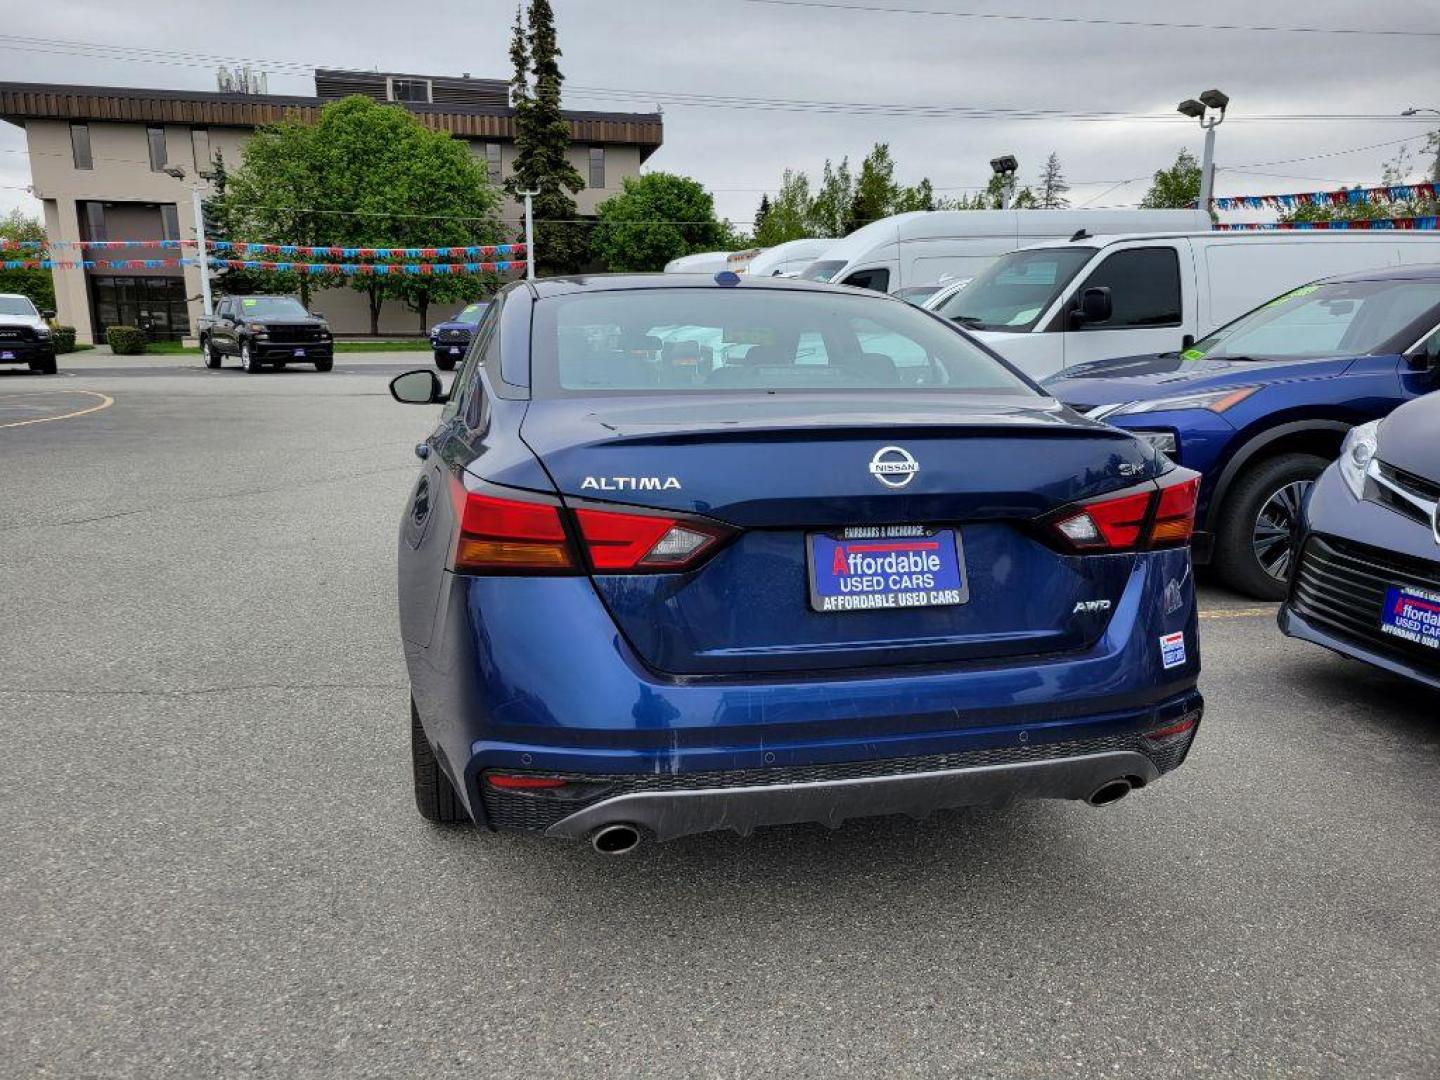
[1005,167]
[1210,111]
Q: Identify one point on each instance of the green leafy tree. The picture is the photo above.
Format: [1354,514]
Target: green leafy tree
[790,212]
[38,285]
[876,192]
[655,218]
[542,143]
[1051,187]
[1398,170]
[993,197]
[1175,188]
[920,197]
[830,208]
[393,181]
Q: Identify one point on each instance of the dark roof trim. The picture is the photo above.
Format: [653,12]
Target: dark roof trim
[44,101]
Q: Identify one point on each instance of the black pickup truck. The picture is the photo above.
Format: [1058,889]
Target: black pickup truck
[261,330]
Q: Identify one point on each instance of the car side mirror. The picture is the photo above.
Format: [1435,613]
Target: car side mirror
[419,387]
[316,315]
[46,313]
[1427,356]
[1095,306]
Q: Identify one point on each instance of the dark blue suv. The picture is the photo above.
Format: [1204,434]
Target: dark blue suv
[450,339]
[1261,406]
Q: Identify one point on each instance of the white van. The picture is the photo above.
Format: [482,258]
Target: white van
[923,246]
[702,262]
[788,258]
[1052,306]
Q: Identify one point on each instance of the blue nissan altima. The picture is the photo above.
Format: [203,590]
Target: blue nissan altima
[692,553]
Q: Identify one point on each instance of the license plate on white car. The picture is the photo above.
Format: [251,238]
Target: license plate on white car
[870,567]
[299,352]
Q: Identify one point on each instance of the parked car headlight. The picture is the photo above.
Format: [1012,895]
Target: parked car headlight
[42,332]
[257,328]
[1164,441]
[1216,401]
[1356,453]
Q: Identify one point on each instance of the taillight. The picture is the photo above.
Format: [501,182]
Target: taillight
[511,535]
[1175,516]
[638,542]
[1157,515]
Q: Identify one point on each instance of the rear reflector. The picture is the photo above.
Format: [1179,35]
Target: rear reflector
[509,782]
[510,535]
[639,542]
[1164,733]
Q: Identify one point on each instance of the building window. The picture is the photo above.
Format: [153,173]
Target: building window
[169,222]
[200,146]
[410,90]
[156,137]
[492,162]
[80,146]
[597,166]
[93,221]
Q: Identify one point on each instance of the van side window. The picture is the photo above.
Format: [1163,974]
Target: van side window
[1144,286]
[877,279]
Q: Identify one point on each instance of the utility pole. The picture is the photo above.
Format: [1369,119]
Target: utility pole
[529,235]
[199,209]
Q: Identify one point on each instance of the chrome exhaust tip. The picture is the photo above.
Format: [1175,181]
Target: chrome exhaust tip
[1111,791]
[615,839]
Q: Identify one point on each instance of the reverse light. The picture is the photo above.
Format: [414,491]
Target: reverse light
[1109,524]
[638,542]
[510,535]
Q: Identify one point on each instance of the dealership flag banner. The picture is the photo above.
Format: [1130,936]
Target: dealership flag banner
[1377,224]
[1384,193]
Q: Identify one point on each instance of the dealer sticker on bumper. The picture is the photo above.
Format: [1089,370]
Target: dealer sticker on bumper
[870,567]
[1412,615]
[1172,649]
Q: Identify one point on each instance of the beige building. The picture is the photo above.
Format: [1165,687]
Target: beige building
[98,157]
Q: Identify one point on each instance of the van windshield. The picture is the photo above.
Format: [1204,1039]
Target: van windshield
[822,270]
[1016,289]
[1346,318]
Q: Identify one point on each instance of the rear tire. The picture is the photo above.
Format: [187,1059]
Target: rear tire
[435,796]
[44,367]
[445,363]
[1260,521]
[247,359]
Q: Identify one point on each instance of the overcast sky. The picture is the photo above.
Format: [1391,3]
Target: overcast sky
[760,50]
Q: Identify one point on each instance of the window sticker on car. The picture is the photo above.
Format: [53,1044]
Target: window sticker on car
[1193,354]
[1304,290]
[247,303]
[1172,649]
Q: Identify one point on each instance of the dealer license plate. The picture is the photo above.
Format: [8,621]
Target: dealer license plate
[872,567]
[299,352]
[1412,615]
[7,356]
[454,350]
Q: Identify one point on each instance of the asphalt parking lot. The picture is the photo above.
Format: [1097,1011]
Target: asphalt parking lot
[210,863]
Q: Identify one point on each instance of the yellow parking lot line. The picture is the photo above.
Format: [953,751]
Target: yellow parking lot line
[1238,613]
[105,402]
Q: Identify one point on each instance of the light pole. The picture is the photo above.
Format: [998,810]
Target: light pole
[1434,139]
[1210,111]
[1005,167]
[198,209]
[529,235]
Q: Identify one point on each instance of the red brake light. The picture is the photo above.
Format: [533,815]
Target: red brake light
[1108,524]
[637,542]
[508,534]
[1159,514]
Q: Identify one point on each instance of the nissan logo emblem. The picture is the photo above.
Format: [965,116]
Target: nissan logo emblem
[893,466]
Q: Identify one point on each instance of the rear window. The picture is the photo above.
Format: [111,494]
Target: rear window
[654,341]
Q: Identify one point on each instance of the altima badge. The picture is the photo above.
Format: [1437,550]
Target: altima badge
[893,466]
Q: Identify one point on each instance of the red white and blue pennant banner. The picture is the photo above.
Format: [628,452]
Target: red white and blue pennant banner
[95,264]
[1376,224]
[1386,193]
[475,251]
[338,269]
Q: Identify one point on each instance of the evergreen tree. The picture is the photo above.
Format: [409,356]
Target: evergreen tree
[1052,185]
[542,142]
[761,213]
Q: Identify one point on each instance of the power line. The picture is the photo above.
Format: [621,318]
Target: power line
[1073,20]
